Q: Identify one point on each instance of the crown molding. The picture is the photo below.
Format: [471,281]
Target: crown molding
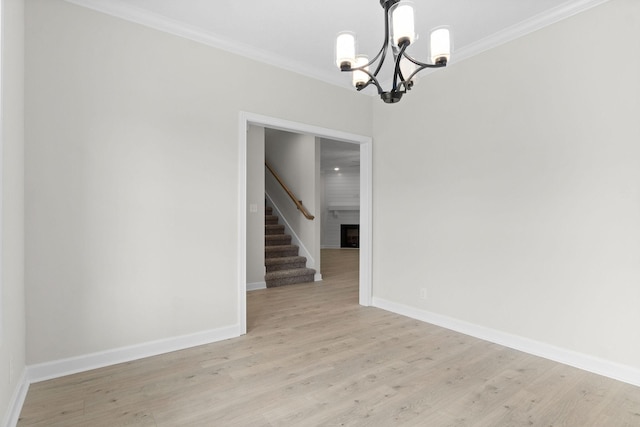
[121,9]
[535,23]
[521,29]
[162,23]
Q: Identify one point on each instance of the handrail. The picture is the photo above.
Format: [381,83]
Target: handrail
[298,203]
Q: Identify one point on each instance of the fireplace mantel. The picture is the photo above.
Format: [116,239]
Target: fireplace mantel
[342,206]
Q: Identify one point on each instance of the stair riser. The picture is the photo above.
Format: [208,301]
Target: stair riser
[276,252]
[273,230]
[290,281]
[270,219]
[277,240]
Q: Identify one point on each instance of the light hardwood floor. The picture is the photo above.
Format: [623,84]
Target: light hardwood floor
[314,357]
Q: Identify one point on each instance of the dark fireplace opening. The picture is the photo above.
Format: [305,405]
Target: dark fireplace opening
[349,235]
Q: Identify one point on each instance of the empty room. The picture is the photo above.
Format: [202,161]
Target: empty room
[365,213]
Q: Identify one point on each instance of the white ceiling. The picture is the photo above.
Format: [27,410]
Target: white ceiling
[342,155]
[299,34]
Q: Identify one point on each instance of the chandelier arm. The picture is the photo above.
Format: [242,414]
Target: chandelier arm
[397,71]
[385,45]
[372,79]
[396,58]
[420,66]
[382,53]
[381,56]
[417,70]
[423,65]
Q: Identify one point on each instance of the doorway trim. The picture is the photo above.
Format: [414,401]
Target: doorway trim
[366,206]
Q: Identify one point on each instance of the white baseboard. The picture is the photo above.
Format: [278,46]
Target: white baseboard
[257,285]
[317,277]
[582,361]
[16,402]
[60,368]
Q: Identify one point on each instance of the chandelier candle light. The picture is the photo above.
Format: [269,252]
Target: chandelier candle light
[399,33]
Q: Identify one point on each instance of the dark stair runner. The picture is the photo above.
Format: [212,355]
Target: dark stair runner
[284,266]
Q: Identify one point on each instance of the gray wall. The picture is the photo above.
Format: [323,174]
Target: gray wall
[255,197]
[12,308]
[132,179]
[519,169]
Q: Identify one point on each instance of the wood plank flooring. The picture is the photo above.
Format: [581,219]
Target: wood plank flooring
[314,357]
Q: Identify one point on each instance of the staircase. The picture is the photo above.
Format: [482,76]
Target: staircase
[284,266]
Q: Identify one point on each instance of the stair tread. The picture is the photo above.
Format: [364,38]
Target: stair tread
[284,260]
[278,248]
[289,273]
[275,243]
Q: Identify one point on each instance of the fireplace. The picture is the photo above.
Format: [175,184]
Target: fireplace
[349,235]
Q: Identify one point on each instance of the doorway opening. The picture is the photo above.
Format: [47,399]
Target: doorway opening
[365,227]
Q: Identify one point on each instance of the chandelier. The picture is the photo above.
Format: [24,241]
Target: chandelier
[399,33]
